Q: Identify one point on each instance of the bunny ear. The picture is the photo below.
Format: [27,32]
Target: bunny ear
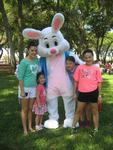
[57,22]
[32,33]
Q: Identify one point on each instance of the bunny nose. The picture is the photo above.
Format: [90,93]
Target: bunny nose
[53,51]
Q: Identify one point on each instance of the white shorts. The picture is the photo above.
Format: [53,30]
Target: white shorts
[30,92]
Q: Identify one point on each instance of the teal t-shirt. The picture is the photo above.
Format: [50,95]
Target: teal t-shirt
[27,72]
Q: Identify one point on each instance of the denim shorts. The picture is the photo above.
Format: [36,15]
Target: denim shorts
[30,92]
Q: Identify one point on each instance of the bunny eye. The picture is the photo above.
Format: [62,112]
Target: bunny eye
[47,45]
[55,43]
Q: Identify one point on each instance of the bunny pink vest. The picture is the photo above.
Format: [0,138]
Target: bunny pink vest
[59,83]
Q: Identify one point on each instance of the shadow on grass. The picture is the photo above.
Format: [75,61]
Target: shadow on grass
[11,137]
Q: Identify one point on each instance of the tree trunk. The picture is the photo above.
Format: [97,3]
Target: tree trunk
[97,47]
[107,49]
[1,51]
[100,46]
[58,5]
[20,26]
[8,33]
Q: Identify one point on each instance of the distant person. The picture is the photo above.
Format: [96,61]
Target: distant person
[27,72]
[111,68]
[39,106]
[88,81]
[16,70]
[107,68]
[96,63]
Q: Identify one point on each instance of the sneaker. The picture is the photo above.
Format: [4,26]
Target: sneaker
[82,124]
[38,127]
[41,125]
[94,132]
[87,124]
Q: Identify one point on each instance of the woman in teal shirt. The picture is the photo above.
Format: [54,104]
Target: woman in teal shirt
[27,71]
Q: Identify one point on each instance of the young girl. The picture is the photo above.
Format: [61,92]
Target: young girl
[39,106]
[71,67]
[88,82]
[27,71]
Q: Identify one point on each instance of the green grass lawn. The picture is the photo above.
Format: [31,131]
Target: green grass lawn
[11,135]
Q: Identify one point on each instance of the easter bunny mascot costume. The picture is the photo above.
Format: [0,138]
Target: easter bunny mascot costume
[52,48]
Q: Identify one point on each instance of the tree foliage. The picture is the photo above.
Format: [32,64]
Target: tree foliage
[87,22]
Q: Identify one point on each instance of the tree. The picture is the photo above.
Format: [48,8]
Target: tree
[20,27]
[1,51]
[9,33]
[107,46]
[86,22]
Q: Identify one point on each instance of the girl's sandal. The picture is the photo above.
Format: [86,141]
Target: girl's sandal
[32,130]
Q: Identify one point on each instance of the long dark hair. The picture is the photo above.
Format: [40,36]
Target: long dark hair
[31,43]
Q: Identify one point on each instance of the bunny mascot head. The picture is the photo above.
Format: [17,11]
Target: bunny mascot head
[53,48]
